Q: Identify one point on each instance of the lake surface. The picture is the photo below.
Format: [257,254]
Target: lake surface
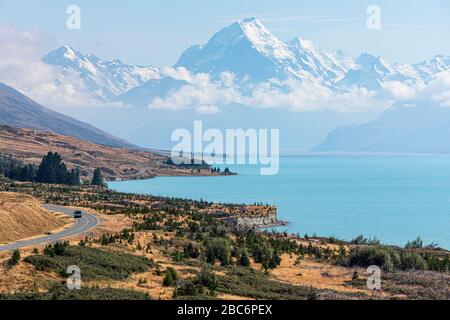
[395,199]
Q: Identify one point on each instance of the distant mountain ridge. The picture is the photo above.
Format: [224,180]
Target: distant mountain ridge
[253,54]
[420,128]
[104,79]
[20,111]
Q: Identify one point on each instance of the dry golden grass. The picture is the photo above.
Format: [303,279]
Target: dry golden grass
[319,275]
[22,216]
[24,277]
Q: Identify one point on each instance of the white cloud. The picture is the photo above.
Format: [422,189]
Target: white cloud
[400,90]
[306,96]
[207,110]
[438,89]
[201,90]
[21,67]
[291,94]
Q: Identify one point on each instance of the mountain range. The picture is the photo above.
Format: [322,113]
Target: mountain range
[249,51]
[253,55]
[104,79]
[420,128]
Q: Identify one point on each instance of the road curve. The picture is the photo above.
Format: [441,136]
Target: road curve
[82,225]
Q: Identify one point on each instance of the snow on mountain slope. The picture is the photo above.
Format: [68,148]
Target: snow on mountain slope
[105,79]
[246,48]
[255,56]
[371,71]
[325,66]
[426,69]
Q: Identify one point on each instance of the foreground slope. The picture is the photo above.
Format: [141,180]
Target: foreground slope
[22,216]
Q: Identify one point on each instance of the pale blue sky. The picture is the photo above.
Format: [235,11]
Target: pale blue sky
[156,32]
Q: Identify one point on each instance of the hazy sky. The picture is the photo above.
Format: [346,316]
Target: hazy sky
[156,32]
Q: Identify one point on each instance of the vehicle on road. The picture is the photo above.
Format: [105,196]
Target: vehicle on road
[77,214]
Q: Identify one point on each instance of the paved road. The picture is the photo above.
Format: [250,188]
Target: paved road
[87,222]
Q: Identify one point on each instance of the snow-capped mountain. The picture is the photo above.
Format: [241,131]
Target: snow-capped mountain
[253,54]
[322,65]
[105,79]
[428,68]
[245,48]
[248,48]
[370,72]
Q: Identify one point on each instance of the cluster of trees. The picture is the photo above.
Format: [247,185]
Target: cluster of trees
[391,259]
[16,170]
[204,284]
[97,179]
[52,170]
[218,170]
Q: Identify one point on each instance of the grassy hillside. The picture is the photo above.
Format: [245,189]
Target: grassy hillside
[30,146]
[21,216]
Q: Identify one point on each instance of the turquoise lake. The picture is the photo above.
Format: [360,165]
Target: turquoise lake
[395,199]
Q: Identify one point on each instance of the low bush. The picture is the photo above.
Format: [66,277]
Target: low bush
[413,261]
[384,257]
[204,284]
[62,293]
[170,277]
[245,282]
[14,260]
[94,263]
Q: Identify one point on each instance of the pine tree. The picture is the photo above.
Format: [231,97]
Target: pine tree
[27,173]
[47,169]
[14,260]
[244,261]
[73,178]
[97,180]
[52,170]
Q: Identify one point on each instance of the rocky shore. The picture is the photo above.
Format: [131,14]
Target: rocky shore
[250,217]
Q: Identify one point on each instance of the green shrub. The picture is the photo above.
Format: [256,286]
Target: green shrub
[62,293]
[57,249]
[207,279]
[411,260]
[415,244]
[246,282]
[94,263]
[14,260]
[218,249]
[204,284]
[191,251]
[170,277]
[244,261]
[187,288]
[382,257]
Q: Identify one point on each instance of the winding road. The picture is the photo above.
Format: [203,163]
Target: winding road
[82,225]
